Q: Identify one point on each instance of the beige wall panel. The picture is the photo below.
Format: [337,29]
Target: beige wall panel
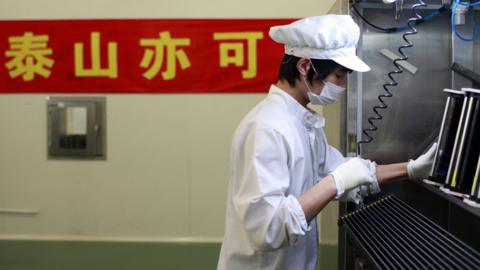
[213,124]
[167,166]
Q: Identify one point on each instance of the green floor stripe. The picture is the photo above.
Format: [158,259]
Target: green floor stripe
[73,255]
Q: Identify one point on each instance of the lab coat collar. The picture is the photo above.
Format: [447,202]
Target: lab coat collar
[309,119]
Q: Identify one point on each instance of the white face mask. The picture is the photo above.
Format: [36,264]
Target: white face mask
[329,94]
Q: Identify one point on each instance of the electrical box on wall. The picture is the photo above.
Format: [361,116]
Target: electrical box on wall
[76,127]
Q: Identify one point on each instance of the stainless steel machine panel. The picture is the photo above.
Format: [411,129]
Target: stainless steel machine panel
[414,114]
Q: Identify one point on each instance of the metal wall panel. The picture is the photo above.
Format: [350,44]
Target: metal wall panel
[413,117]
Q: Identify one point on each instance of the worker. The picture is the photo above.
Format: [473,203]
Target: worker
[283,171]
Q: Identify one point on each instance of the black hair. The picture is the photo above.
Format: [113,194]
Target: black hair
[289,72]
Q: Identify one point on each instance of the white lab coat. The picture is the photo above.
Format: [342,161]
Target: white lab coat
[279,151]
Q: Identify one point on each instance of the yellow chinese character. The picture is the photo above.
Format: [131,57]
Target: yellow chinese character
[29,56]
[237,58]
[96,70]
[156,56]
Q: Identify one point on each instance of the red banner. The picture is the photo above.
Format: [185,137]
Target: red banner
[138,56]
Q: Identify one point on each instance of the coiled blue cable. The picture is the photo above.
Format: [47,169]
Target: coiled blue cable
[475,34]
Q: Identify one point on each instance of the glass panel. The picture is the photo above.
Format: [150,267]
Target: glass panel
[73,128]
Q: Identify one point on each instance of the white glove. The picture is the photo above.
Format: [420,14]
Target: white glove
[420,167]
[357,194]
[353,173]
[354,195]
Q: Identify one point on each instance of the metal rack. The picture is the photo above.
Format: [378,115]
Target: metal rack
[452,199]
[392,235]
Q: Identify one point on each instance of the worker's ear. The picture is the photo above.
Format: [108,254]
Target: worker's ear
[303,65]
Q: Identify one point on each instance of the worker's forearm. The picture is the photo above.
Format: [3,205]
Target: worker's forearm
[391,172]
[316,198]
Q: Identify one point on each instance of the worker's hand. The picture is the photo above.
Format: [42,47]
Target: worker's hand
[353,173]
[420,167]
[357,194]
[353,195]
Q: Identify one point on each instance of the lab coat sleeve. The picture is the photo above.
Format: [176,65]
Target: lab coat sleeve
[333,159]
[271,218]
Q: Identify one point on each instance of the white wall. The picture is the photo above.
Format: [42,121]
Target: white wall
[167,169]
[69,9]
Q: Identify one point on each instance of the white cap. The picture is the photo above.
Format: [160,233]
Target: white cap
[331,37]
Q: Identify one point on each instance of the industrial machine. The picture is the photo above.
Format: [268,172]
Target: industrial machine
[423,88]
